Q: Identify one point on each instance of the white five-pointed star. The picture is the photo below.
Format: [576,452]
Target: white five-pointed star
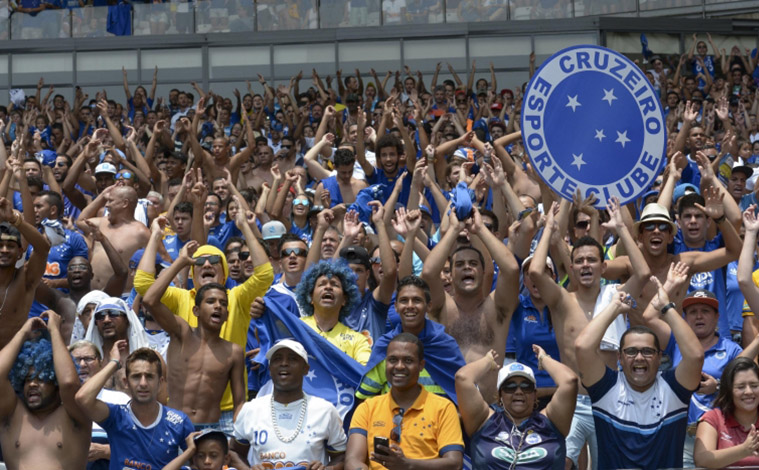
[311,375]
[578,161]
[600,135]
[609,96]
[622,138]
[573,103]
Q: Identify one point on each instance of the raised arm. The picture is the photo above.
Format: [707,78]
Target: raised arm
[384,291]
[560,409]
[87,396]
[35,267]
[65,370]
[435,262]
[8,355]
[116,283]
[473,408]
[587,345]
[746,261]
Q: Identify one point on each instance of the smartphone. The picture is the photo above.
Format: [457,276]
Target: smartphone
[381,441]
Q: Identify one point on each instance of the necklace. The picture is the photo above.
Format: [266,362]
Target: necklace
[5,296]
[301,419]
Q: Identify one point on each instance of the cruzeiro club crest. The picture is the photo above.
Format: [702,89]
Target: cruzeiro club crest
[591,120]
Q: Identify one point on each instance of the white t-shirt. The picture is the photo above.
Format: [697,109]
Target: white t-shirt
[322,430]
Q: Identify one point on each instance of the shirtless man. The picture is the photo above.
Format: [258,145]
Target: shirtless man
[262,172]
[341,186]
[572,311]
[219,159]
[125,233]
[477,318]
[43,427]
[200,362]
[18,285]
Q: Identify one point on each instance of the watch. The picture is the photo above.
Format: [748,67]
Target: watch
[721,219]
[118,363]
[667,307]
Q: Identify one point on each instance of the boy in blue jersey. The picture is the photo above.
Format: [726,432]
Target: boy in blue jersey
[143,433]
[640,414]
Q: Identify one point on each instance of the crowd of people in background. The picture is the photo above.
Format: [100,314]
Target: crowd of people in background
[366,271]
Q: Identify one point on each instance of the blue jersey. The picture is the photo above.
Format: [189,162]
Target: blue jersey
[330,184]
[379,177]
[713,281]
[173,246]
[220,234]
[369,317]
[539,445]
[715,360]
[138,447]
[528,327]
[60,255]
[640,429]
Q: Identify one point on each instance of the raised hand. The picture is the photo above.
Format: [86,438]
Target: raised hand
[714,205]
[185,254]
[750,221]
[351,224]
[677,278]
[616,222]
[378,213]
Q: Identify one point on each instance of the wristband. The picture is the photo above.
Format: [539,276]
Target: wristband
[720,219]
[118,363]
[666,308]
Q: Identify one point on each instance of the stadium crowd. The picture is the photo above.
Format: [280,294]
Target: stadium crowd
[366,271]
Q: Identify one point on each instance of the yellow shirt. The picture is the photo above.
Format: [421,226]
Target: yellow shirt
[235,329]
[429,428]
[746,309]
[349,341]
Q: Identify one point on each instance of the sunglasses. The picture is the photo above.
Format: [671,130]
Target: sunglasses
[100,316]
[126,175]
[395,433]
[375,260]
[286,147]
[511,387]
[582,225]
[633,352]
[294,251]
[244,255]
[300,202]
[201,260]
[662,226]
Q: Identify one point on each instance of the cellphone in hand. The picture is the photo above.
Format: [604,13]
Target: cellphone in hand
[381,441]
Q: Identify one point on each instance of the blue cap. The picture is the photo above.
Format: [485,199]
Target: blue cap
[46,157]
[683,189]
[134,261]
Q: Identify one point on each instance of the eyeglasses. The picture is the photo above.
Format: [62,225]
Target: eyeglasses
[633,352]
[100,316]
[662,226]
[294,251]
[86,359]
[395,434]
[126,175]
[300,202]
[582,225]
[201,260]
[78,267]
[61,164]
[511,387]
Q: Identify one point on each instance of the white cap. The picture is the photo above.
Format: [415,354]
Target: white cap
[514,369]
[273,230]
[106,168]
[290,344]
[549,264]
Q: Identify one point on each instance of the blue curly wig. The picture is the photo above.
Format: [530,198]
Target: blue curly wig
[37,354]
[328,268]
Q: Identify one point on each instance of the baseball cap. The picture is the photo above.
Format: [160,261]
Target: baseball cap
[290,344]
[273,230]
[105,168]
[701,296]
[507,91]
[210,432]
[741,167]
[356,255]
[515,369]
[683,189]
[549,264]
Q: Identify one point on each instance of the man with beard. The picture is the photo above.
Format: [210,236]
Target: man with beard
[476,317]
[18,284]
[43,426]
[143,433]
[200,363]
[89,361]
[125,233]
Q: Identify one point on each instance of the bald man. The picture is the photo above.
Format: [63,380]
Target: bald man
[118,225]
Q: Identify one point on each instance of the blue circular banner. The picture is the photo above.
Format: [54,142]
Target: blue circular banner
[592,121]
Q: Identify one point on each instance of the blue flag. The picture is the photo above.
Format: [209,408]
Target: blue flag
[442,356]
[332,375]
